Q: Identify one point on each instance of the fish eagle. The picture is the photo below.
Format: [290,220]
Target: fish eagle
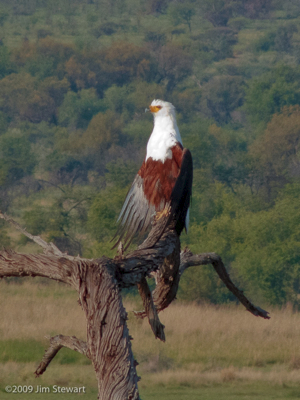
[164,181]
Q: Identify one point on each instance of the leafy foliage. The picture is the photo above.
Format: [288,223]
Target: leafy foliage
[269,93]
[16,158]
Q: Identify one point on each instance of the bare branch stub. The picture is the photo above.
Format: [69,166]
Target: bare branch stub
[48,266]
[48,248]
[56,343]
[150,310]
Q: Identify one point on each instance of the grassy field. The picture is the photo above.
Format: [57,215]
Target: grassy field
[210,352]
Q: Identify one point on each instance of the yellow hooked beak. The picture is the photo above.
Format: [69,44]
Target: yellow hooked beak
[154,109]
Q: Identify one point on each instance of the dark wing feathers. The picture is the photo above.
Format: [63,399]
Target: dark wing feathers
[182,192]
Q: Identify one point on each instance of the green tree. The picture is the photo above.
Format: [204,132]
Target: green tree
[132,99]
[230,164]
[182,13]
[20,98]
[121,173]
[221,96]
[174,65]
[90,149]
[217,42]
[157,6]
[16,158]
[267,249]
[45,58]
[116,98]
[4,14]
[126,61]
[275,154]
[55,88]
[187,102]
[78,109]
[15,89]
[261,248]
[3,122]
[217,12]
[103,213]
[103,131]
[6,66]
[280,39]
[283,38]
[4,238]
[253,8]
[212,230]
[273,90]
[63,220]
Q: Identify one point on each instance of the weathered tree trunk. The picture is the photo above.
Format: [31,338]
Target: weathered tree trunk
[99,282]
[108,338]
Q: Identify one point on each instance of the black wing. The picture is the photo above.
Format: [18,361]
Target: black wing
[135,216]
[182,192]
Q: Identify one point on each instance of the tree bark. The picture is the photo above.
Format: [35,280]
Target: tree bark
[108,338]
[99,283]
[56,343]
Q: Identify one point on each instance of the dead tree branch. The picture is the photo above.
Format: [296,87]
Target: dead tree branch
[48,266]
[189,260]
[150,310]
[48,248]
[167,280]
[56,343]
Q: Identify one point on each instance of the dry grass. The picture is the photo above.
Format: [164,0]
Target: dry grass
[33,311]
[205,344]
[197,377]
[227,334]
[13,373]
[208,344]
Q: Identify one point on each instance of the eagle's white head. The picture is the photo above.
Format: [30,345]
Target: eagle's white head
[160,108]
[165,133]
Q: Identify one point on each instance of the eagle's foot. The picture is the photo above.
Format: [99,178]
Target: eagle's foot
[120,252]
[164,213]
